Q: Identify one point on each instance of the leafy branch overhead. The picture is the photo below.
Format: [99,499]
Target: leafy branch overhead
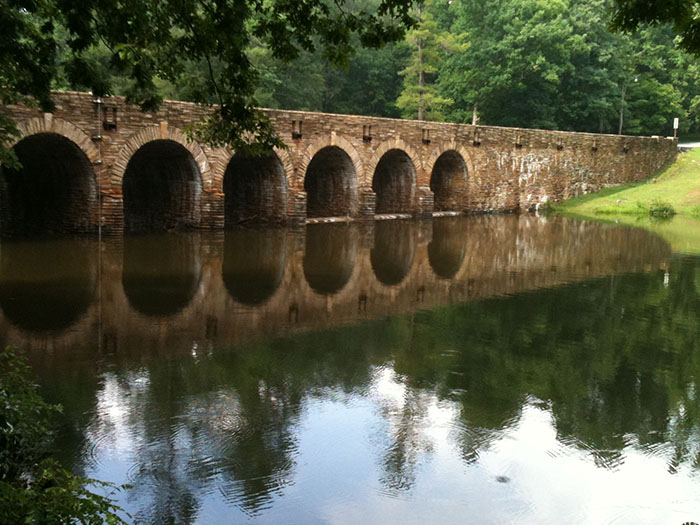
[45,43]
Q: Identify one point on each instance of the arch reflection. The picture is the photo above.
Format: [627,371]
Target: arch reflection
[254,262]
[392,254]
[47,286]
[161,273]
[447,247]
[330,255]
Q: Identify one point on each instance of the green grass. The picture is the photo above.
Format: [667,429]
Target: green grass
[651,204]
[675,191]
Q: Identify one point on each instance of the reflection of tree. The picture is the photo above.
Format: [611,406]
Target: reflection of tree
[617,359]
[407,440]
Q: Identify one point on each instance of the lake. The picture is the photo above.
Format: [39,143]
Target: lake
[488,369]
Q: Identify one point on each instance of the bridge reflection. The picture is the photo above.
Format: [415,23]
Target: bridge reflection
[161,273]
[330,255]
[47,287]
[254,263]
[392,254]
[178,290]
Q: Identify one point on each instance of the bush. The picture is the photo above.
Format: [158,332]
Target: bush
[661,209]
[33,486]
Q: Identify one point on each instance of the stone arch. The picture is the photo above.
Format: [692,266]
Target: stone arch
[255,189]
[384,147]
[65,128]
[451,169]
[151,134]
[56,189]
[331,178]
[162,183]
[394,178]
[323,142]
[219,170]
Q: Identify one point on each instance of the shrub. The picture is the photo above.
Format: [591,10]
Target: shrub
[661,209]
[33,486]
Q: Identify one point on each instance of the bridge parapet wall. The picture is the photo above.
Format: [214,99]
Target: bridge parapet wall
[447,167]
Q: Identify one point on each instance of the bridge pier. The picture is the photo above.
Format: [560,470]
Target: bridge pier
[368,203]
[425,203]
[212,214]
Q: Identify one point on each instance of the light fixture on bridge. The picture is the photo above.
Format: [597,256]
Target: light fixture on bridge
[426,136]
[296,129]
[110,124]
[518,140]
[560,143]
[366,133]
[594,147]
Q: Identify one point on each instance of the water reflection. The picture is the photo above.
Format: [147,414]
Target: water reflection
[253,265]
[447,247]
[567,393]
[330,255]
[46,286]
[161,273]
[392,255]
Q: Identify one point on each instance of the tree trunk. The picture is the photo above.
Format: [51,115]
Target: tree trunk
[421,79]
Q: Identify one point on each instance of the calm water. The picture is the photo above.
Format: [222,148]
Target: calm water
[465,370]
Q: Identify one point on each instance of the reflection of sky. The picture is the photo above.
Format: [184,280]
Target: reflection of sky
[339,462]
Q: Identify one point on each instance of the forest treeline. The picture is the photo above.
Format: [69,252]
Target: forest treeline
[550,64]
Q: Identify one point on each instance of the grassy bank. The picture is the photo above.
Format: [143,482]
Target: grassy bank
[675,191]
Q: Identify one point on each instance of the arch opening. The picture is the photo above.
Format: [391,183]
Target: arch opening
[162,189]
[329,259]
[47,286]
[55,190]
[448,180]
[331,184]
[394,182]
[255,190]
[161,273]
[392,254]
[254,262]
[448,246]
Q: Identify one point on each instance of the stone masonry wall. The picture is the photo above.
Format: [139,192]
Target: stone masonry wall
[507,169]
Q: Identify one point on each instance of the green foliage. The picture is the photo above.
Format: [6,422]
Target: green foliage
[33,487]
[429,46]
[202,45]
[660,208]
[555,65]
[682,15]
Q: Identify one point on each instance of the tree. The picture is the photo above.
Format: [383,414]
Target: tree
[420,97]
[629,15]
[518,53]
[151,41]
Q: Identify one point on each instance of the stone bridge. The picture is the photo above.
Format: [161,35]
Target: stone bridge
[99,162]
